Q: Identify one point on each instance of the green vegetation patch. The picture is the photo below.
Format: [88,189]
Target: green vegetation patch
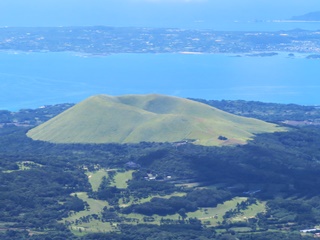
[117,179]
[121,179]
[251,211]
[95,178]
[148,118]
[88,220]
[94,207]
[94,226]
[215,216]
[24,165]
[148,199]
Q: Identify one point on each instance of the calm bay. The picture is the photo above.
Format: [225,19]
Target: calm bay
[30,80]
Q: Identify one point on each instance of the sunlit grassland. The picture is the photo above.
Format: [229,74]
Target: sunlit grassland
[208,216]
[150,118]
[93,226]
[251,211]
[95,207]
[157,218]
[214,216]
[120,179]
[95,178]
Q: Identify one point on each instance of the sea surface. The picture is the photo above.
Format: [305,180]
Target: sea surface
[31,80]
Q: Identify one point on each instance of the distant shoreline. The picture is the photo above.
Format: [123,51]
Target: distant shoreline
[104,41]
[192,53]
[295,21]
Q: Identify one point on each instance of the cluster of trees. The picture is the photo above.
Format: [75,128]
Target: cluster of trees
[300,213]
[33,116]
[273,112]
[163,207]
[288,160]
[137,188]
[141,188]
[36,198]
[188,231]
[189,203]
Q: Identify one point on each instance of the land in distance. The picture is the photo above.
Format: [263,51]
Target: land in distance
[102,40]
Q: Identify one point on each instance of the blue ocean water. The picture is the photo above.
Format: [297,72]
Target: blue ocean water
[35,79]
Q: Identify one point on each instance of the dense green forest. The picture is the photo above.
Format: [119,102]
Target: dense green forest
[273,112]
[40,186]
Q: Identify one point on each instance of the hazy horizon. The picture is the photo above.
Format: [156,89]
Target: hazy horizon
[147,13]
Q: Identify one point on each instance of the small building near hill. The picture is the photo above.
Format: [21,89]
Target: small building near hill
[309,230]
[132,165]
[317,235]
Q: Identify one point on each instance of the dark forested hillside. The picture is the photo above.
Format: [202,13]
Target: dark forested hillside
[266,189]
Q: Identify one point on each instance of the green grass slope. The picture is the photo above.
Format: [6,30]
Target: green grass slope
[151,118]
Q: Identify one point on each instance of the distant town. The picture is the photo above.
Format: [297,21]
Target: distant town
[102,40]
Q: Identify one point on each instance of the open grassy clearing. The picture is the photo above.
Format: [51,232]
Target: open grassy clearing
[214,216]
[157,218]
[95,178]
[79,227]
[241,229]
[208,216]
[121,179]
[221,209]
[95,207]
[93,226]
[251,212]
